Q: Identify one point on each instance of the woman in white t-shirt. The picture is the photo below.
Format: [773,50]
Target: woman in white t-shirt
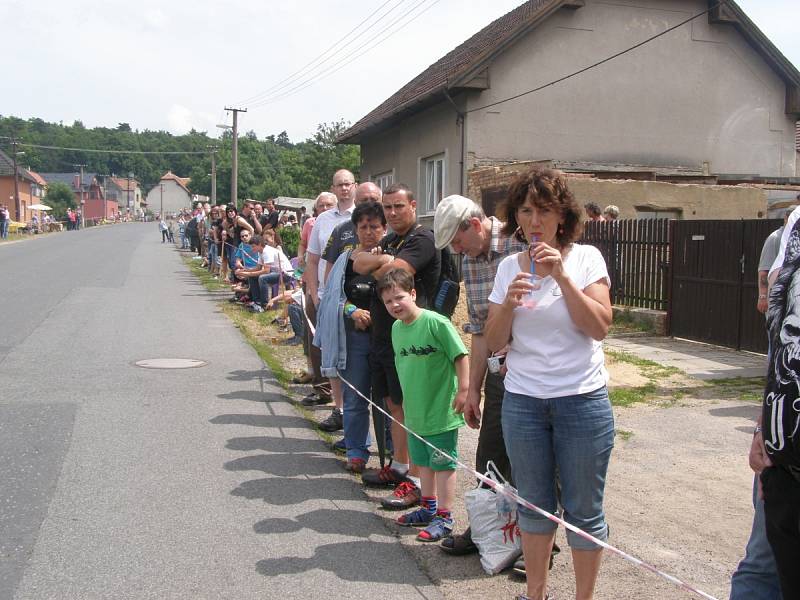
[556,413]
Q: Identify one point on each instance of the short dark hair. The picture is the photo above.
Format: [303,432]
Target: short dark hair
[257,240]
[546,188]
[395,278]
[592,209]
[370,210]
[399,187]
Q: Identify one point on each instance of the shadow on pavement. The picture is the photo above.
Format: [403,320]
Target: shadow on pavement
[274,444]
[255,395]
[281,491]
[351,561]
[285,465]
[744,411]
[262,421]
[335,521]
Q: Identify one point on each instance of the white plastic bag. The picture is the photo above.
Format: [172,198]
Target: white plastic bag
[493,521]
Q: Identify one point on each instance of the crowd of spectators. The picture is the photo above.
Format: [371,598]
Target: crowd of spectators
[360,298]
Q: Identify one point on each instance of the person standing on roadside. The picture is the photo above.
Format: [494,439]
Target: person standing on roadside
[461,224]
[4,219]
[344,188]
[410,247]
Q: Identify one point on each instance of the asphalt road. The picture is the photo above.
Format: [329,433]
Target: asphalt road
[123,482]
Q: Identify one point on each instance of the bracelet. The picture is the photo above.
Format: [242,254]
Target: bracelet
[757,429]
[762,296]
[349,309]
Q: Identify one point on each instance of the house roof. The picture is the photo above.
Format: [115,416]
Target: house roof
[123,183]
[69,179]
[7,168]
[37,178]
[456,70]
[181,181]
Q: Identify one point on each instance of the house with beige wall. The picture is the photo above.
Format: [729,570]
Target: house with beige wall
[711,100]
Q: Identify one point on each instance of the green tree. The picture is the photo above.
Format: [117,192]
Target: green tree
[59,197]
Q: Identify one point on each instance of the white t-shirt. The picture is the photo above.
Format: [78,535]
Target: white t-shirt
[787,231]
[318,239]
[271,256]
[549,356]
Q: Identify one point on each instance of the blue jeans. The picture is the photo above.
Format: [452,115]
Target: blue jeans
[756,577]
[356,409]
[4,229]
[574,434]
[267,280]
[297,319]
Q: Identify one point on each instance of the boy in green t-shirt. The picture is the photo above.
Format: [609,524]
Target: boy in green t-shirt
[433,369]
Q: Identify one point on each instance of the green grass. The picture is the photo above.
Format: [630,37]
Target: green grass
[746,389]
[649,368]
[625,323]
[624,434]
[206,278]
[632,395]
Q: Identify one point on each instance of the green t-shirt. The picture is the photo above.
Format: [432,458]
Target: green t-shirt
[424,352]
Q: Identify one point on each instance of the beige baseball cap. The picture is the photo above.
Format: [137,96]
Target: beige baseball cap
[450,213]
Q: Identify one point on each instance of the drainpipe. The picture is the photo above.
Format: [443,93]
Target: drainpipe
[461,119]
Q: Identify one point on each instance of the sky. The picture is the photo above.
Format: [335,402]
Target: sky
[176,65]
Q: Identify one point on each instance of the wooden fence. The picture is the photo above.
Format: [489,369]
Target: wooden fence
[637,255]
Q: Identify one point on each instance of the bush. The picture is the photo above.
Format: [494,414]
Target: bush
[290,236]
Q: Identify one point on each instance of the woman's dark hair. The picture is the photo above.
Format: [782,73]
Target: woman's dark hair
[546,189]
[370,210]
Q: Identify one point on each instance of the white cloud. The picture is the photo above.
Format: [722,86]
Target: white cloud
[181,119]
[155,19]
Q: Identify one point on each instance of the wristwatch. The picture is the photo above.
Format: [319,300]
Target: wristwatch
[757,429]
[762,296]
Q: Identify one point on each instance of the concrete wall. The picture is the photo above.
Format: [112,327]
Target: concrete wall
[175,198]
[696,201]
[402,148]
[25,198]
[699,94]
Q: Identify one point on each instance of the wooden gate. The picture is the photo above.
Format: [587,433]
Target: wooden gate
[714,285]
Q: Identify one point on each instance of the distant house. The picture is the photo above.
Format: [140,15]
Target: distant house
[89,194]
[125,192]
[172,195]
[30,185]
[713,98]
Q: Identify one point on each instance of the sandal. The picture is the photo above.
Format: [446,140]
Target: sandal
[418,518]
[439,529]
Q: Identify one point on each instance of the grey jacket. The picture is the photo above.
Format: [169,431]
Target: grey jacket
[330,336]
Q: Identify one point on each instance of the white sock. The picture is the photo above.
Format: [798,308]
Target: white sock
[415,480]
[400,467]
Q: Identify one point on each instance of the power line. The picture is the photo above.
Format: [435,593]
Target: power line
[305,68]
[96,150]
[597,64]
[410,17]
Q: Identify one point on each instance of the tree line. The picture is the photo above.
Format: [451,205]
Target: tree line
[268,167]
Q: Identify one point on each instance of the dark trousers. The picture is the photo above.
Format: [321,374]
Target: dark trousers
[491,445]
[782,512]
[164,236]
[194,242]
[321,384]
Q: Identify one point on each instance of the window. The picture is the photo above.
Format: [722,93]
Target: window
[383,180]
[434,173]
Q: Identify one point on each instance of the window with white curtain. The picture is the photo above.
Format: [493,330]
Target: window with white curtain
[434,173]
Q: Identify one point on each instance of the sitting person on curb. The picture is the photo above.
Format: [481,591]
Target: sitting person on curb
[294,308]
[433,369]
[270,266]
[344,317]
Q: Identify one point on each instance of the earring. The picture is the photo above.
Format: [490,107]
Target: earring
[561,229]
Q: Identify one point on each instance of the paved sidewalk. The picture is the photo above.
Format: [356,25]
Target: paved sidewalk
[702,361]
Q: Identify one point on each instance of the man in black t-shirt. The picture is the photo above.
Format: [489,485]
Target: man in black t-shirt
[410,247]
[776,443]
[270,216]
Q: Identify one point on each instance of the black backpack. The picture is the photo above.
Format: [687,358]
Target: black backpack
[448,289]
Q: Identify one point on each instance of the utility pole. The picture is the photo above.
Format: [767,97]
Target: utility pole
[235,155]
[82,199]
[17,202]
[213,175]
[161,214]
[130,204]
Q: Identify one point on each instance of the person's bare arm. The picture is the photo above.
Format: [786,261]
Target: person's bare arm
[242,223]
[763,289]
[311,273]
[367,264]
[478,355]
[461,365]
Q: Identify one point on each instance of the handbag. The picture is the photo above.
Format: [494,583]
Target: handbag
[493,522]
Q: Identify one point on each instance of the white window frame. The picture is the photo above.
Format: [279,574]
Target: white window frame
[433,174]
[383,180]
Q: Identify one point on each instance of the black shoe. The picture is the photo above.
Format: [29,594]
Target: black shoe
[519,566]
[333,422]
[314,399]
[459,545]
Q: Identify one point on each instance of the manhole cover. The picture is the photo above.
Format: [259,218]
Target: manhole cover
[170,363]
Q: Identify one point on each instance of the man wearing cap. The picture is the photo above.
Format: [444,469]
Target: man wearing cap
[461,223]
